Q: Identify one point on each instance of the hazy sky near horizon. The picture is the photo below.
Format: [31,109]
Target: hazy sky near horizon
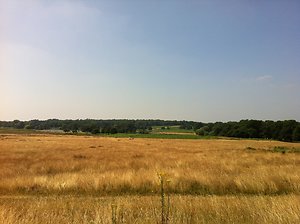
[186,60]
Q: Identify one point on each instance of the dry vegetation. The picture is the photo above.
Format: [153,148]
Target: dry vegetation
[145,210]
[76,179]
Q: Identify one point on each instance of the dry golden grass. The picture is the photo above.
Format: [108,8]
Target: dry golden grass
[145,210]
[110,166]
[76,179]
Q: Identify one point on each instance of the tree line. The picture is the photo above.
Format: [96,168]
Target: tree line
[90,125]
[288,130]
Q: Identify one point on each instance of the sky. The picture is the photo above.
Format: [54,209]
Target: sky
[203,60]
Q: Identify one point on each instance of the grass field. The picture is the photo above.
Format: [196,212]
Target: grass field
[81,179]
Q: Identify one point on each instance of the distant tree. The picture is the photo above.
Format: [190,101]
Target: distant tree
[202,131]
[268,129]
[143,131]
[195,126]
[18,124]
[296,134]
[113,130]
[217,128]
[286,133]
[95,131]
[66,130]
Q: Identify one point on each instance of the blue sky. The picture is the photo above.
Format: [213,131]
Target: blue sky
[186,60]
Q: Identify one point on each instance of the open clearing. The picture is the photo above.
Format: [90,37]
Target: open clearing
[80,179]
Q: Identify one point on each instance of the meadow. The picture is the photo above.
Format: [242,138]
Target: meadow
[90,179]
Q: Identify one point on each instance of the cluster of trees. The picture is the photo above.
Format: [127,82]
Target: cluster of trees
[90,125]
[288,130]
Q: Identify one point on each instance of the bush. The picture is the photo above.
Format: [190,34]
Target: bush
[200,132]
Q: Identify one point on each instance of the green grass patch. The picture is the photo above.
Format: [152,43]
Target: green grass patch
[175,129]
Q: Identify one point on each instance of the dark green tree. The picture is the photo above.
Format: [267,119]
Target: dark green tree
[296,134]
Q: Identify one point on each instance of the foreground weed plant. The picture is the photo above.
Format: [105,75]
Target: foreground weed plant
[165,202]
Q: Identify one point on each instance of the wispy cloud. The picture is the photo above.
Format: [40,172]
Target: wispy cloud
[264,78]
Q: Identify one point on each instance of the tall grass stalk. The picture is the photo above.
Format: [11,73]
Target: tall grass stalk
[114,213]
[165,204]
